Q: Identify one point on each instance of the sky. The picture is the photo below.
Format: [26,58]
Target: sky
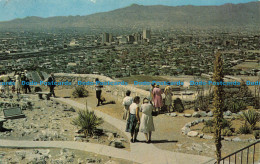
[12,9]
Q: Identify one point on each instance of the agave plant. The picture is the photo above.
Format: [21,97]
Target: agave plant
[252,117]
[87,121]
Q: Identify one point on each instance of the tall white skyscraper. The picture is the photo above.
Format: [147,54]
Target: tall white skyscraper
[146,34]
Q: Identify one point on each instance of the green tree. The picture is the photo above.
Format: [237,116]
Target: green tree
[218,103]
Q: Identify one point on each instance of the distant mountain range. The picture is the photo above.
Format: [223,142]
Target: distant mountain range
[155,17]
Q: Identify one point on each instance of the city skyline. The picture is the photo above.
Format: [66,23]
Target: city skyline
[12,9]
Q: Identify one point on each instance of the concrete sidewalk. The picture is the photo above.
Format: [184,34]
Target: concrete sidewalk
[83,146]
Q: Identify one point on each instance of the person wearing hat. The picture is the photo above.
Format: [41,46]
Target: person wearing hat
[157,98]
[147,125]
[127,101]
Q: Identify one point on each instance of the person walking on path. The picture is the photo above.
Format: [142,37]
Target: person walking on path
[127,101]
[168,97]
[157,94]
[18,83]
[51,84]
[133,121]
[98,91]
[146,125]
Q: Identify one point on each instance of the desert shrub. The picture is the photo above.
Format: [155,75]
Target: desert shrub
[209,123]
[226,132]
[87,121]
[178,106]
[251,117]
[202,103]
[245,129]
[225,124]
[80,91]
[234,105]
[207,129]
[257,134]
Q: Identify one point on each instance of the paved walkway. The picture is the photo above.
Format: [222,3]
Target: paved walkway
[83,146]
[142,152]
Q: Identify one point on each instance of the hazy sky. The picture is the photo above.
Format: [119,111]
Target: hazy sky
[11,9]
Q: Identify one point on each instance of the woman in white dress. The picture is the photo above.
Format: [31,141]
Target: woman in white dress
[18,83]
[146,125]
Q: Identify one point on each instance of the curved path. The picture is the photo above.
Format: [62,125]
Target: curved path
[140,152]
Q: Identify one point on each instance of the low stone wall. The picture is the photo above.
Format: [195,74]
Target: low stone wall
[116,91]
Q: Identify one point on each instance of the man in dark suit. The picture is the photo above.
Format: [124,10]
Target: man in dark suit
[51,85]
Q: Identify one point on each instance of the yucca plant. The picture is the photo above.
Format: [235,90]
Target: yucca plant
[87,121]
[251,117]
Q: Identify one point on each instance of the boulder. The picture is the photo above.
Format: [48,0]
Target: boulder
[185,130]
[188,125]
[210,114]
[187,115]
[203,114]
[173,114]
[117,144]
[201,135]
[227,113]
[196,114]
[193,134]
[111,136]
[207,137]
[237,139]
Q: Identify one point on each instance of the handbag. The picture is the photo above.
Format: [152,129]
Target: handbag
[154,113]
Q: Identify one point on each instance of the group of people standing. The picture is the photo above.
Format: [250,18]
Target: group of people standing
[18,87]
[154,102]
[156,97]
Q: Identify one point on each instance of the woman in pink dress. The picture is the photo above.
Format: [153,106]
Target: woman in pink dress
[157,98]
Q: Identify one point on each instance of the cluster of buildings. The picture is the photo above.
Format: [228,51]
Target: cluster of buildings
[136,38]
[144,53]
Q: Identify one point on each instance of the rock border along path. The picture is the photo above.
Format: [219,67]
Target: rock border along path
[140,152]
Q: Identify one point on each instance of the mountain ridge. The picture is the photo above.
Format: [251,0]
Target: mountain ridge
[155,17]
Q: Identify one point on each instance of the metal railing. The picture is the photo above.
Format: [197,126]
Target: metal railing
[238,155]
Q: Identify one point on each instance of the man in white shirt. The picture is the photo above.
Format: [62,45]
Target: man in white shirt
[127,101]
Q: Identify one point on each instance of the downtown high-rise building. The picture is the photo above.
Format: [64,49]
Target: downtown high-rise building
[105,37]
[146,34]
